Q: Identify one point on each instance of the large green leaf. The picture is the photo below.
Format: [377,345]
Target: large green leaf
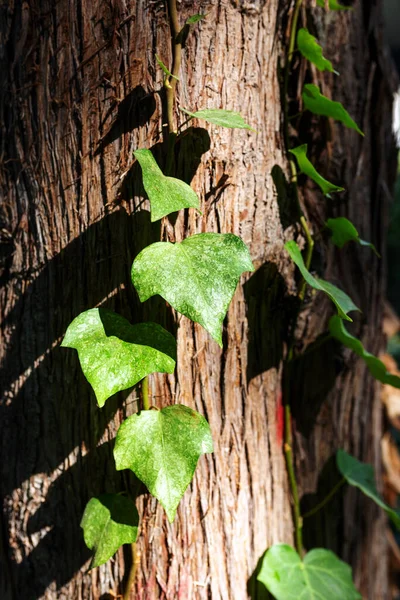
[114,354]
[361,475]
[198,276]
[308,169]
[108,522]
[312,51]
[321,105]
[375,366]
[162,448]
[166,194]
[342,301]
[343,231]
[221,117]
[334,5]
[319,576]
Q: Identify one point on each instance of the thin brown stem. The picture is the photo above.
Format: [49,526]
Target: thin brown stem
[132,574]
[176,64]
[298,522]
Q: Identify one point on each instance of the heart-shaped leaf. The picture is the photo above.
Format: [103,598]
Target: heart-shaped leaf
[166,194]
[320,575]
[334,5]
[375,366]
[321,105]
[342,301]
[362,476]
[221,117]
[312,51]
[108,522]
[162,448]
[308,169]
[114,354]
[198,276]
[343,231]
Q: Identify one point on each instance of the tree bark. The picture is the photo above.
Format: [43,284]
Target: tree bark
[81,90]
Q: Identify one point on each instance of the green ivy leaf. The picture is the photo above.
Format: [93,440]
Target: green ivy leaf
[164,68]
[194,19]
[343,231]
[308,169]
[114,354]
[162,448]
[221,117]
[319,575]
[198,276]
[334,5]
[108,522]
[342,301]
[321,105]
[361,475]
[312,51]
[166,194]
[375,366]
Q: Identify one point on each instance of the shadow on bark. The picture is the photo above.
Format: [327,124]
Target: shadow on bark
[289,209]
[268,310]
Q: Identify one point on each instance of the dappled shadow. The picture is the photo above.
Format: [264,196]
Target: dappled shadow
[308,379]
[289,210]
[322,529]
[268,310]
[255,589]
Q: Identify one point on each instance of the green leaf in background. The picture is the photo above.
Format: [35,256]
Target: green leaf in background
[221,117]
[166,194]
[308,169]
[321,105]
[198,276]
[343,231]
[162,448]
[164,68]
[361,475]
[194,19]
[342,301]
[108,522]
[114,354]
[334,5]
[320,575]
[375,366]
[312,51]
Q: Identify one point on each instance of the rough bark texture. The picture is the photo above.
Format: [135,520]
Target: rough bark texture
[81,90]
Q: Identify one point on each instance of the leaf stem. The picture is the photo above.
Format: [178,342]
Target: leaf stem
[309,253]
[145,393]
[298,522]
[325,501]
[176,64]
[132,573]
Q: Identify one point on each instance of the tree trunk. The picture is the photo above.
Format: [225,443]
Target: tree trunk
[81,90]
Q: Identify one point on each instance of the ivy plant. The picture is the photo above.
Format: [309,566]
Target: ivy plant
[198,278]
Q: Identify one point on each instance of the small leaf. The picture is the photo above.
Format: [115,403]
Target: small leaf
[319,575]
[162,448]
[166,194]
[343,231]
[114,354]
[334,5]
[375,366]
[221,117]
[308,169]
[108,522]
[321,105]
[194,19]
[361,475]
[312,51]
[198,276]
[342,301]
[164,68]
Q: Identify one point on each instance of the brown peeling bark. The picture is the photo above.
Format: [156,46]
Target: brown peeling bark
[81,91]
